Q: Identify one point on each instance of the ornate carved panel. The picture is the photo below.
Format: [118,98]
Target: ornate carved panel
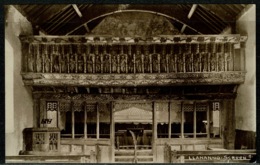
[134,80]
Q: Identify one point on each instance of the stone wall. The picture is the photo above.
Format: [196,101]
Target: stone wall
[245,104]
[19,106]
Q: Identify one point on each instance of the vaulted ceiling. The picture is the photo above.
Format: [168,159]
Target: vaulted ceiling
[80,19]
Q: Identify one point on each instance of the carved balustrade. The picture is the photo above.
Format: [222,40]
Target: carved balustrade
[106,55]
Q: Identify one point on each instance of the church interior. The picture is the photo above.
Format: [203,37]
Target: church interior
[130,83]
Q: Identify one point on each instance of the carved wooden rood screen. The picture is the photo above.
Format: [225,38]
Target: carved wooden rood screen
[94,55]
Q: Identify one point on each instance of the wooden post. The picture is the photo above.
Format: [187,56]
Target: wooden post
[151,64]
[154,131]
[194,120]
[208,122]
[112,132]
[73,124]
[85,122]
[142,61]
[167,63]
[159,63]
[118,63]
[134,63]
[182,120]
[110,64]
[35,113]
[169,125]
[184,62]
[97,121]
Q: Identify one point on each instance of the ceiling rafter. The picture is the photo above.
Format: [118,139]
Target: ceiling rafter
[77,10]
[192,10]
[62,19]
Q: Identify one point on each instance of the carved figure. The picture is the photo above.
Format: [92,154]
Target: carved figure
[171,63]
[123,64]
[146,63]
[56,65]
[131,65]
[30,63]
[221,63]
[180,63]
[188,63]
[138,62]
[90,64]
[114,64]
[196,64]
[72,64]
[63,65]
[80,64]
[213,63]
[163,64]
[106,64]
[155,64]
[98,64]
[39,64]
[204,63]
[47,64]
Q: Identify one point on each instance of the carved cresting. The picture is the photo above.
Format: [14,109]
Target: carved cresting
[110,56]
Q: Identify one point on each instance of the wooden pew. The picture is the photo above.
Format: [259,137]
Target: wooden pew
[212,156]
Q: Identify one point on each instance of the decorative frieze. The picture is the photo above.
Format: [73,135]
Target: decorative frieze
[164,39]
[132,79]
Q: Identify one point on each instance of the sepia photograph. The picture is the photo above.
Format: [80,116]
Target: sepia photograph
[130,83]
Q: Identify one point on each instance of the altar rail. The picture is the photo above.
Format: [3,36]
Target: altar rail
[167,54]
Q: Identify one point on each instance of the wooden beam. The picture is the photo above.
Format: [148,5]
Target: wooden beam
[86,27]
[215,9]
[183,28]
[192,10]
[77,10]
